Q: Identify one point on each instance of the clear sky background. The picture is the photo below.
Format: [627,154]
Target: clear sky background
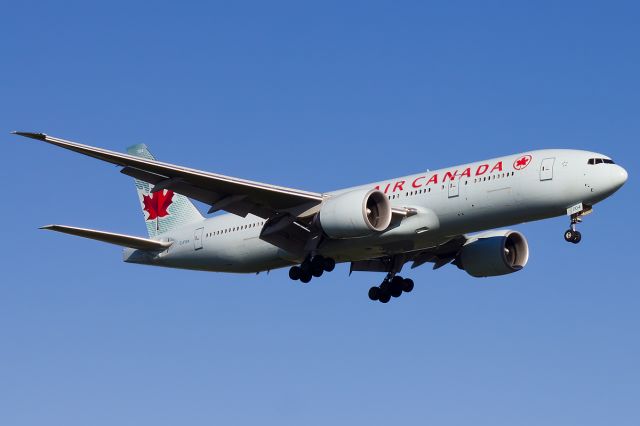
[317,96]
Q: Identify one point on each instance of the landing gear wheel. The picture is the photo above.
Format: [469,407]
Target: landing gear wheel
[577,237]
[407,285]
[395,289]
[374,293]
[294,273]
[384,297]
[316,271]
[572,236]
[569,235]
[329,264]
[305,276]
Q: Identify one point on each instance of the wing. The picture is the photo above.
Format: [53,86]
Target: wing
[227,193]
[439,255]
[111,237]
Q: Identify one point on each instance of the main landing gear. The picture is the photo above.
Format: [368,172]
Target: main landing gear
[312,267]
[392,286]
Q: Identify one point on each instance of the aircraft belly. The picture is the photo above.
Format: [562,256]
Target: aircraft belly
[234,253]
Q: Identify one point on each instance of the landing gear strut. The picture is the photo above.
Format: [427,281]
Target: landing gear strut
[312,267]
[392,286]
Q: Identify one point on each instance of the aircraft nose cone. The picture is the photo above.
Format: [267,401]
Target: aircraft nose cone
[619,176]
[622,175]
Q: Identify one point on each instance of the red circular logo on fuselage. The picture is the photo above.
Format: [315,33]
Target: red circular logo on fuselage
[522,162]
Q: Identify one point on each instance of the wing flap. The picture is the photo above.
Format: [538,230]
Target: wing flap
[111,237]
[440,255]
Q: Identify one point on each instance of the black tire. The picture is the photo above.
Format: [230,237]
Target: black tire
[316,271]
[329,264]
[294,273]
[569,235]
[396,291]
[577,237]
[384,298]
[407,285]
[317,261]
[396,286]
[374,293]
[305,276]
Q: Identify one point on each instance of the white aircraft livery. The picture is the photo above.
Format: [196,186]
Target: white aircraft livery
[439,217]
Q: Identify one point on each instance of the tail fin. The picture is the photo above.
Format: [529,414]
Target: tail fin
[163,210]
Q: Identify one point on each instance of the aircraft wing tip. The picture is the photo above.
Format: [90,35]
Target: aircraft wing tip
[32,135]
[49,227]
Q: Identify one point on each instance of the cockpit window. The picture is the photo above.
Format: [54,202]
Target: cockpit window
[593,161]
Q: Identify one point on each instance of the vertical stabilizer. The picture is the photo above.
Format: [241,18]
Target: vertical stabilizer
[163,210]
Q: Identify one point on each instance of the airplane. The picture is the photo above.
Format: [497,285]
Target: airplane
[446,216]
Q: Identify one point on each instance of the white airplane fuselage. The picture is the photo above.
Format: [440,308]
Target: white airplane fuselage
[448,202]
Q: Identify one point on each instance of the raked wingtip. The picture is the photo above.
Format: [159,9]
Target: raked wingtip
[32,135]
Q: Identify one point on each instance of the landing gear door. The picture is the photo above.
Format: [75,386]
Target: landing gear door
[546,169]
[454,188]
[197,238]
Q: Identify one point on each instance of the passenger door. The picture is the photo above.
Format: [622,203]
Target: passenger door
[197,238]
[546,169]
[454,188]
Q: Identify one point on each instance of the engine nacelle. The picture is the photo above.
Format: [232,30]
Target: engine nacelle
[355,214]
[495,253]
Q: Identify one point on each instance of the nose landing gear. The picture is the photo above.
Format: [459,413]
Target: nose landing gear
[576,212]
[572,235]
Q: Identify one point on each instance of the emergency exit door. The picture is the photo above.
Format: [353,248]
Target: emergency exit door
[546,169]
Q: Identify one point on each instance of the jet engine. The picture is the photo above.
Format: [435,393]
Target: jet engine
[355,214]
[495,253]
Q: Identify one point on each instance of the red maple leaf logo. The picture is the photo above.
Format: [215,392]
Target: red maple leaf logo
[522,162]
[156,204]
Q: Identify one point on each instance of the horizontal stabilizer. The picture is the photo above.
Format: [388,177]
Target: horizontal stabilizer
[111,238]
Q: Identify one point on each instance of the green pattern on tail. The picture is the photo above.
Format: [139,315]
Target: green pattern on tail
[163,210]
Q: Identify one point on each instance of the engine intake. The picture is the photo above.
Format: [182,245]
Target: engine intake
[498,253]
[355,214]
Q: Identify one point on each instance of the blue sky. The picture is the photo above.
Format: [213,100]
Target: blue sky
[316,96]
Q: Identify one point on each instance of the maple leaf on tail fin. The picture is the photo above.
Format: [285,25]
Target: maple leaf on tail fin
[156,204]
